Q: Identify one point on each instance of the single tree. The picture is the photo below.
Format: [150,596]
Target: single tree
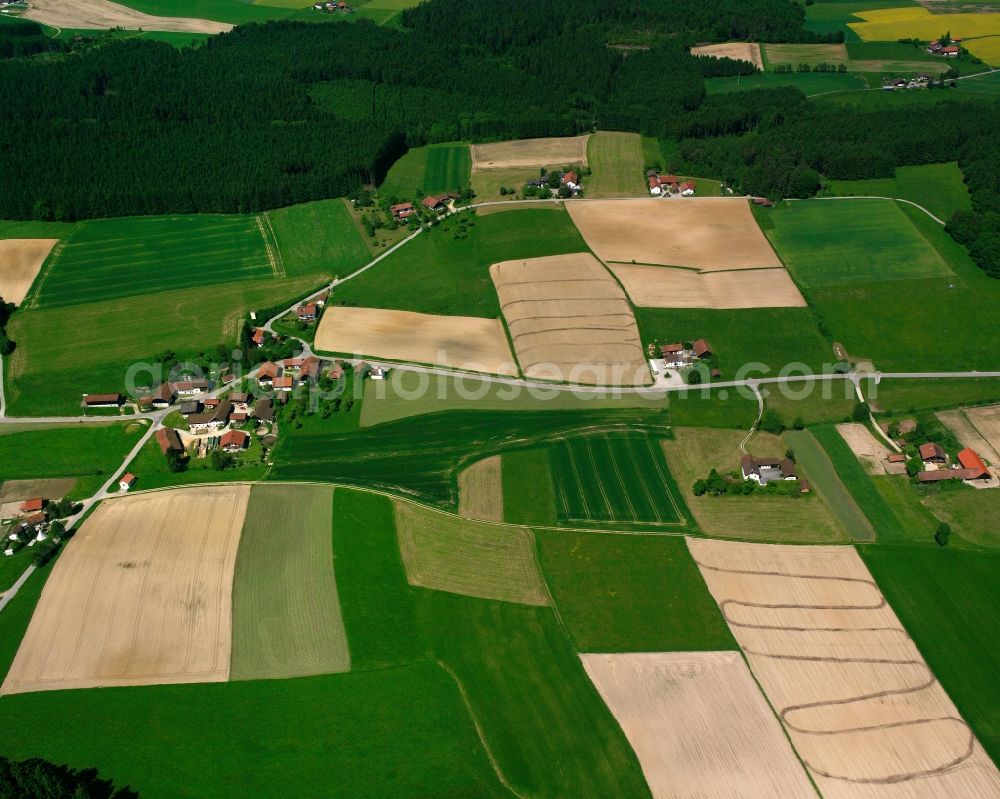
[943,534]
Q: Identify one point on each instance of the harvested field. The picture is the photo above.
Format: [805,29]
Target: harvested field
[699,725]
[968,434]
[20,490]
[740,51]
[663,287]
[141,596]
[705,233]
[461,342]
[522,153]
[987,422]
[480,490]
[570,321]
[20,260]
[460,556]
[286,611]
[868,449]
[102,15]
[863,710]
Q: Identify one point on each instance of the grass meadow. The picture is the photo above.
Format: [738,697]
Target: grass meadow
[907,395]
[949,602]
[529,493]
[833,16]
[487,184]
[616,161]
[809,83]
[236,12]
[939,188]
[624,593]
[318,238]
[721,407]
[972,514]
[430,169]
[104,259]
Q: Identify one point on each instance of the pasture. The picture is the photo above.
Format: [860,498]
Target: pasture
[286,612]
[809,83]
[834,15]
[480,490]
[845,692]
[487,184]
[614,478]
[570,321]
[850,242]
[383,12]
[939,188]
[682,231]
[616,164]
[525,153]
[20,261]
[972,514]
[795,54]
[317,238]
[699,724]
[431,169]
[156,253]
[462,556]
[739,51]
[125,607]
[693,452]
[666,287]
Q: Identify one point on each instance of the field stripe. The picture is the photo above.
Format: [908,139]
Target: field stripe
[579,483]
[623,484]
[654,506]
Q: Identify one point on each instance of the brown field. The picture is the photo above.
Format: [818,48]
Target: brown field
[460,342]
[965,431]
[20,260]
[701,233]
[51,488]
[141,596]
[987,422]
[694,451]
[570,321]
[868,449]
[863,710]
[102,14]
[699,725]
[461,556]
[519,205]
[480,490]
[664,287]
[526,153]
[741,51]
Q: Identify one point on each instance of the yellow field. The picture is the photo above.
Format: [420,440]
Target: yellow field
[20,260]
[480,490]
[891,24]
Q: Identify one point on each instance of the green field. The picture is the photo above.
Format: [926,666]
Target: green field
[236,12]
[972,514]
[441,274]
[616,161]
[795,54]
[983,84]
[949,602]
[920,524]
[286,613]
[317,238]
[614,478]
[907,395]
[827,401]
[809,83]
[383,12]
[150,466]
[430,169]
[830,17]
[622,593]
[813,461]
[722,407]
[847,242]
[529,493]
[937,187]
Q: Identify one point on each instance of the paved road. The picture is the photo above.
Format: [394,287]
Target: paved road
[10,593]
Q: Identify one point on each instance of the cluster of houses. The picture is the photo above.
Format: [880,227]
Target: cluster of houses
[938,466]
[31,527]
[768,470]
[333,8]
[949,50]
[436,203]
[568,178]
[921,81]
[666,185]
[678,355]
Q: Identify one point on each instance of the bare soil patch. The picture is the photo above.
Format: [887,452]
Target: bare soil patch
[20,490]
[102,15]
[570,321]
[869,450]
[20,260]
[522,153]
[741,51]
[141,596]
[459,342]
[480,490]
[987,423]
[701,233]
[863,710]
[666,287]
[699,725]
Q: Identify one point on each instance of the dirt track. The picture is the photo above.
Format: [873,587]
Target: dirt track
[102,15]
[666,287]
[20,260]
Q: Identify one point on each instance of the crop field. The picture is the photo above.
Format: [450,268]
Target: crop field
[529,492]
[937,187]
[630,593]
[318,238]
[570,321]
[795,54]
[103,15]
[108,258]
[384,12]
[235,11]
[693,452]
[908,395]
[918,23]
[809,83]
[614,478]
[462,556]
[666,287]
[863,710]
[437,273]
[740,51]
[480,490]
[833,16]
[525,153]
[616,162]
[430,169]
[987,423]
[682,231]
[699,724]
[984,84]
[20,260]
[286,613]
[124,607]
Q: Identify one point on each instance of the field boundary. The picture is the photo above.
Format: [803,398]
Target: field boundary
[36,286]
[273,253]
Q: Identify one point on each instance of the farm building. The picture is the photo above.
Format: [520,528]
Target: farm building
[169,439]
[190,388]
[402,210]
[163,397]
[127,481]
[258,337]
[896,457]
[283,383]
[932,453]
[432,203]
[973,464]
[267,373]
[307,312]
[189,407]
[702,349]
[291,363]
[571,180]
[102,400]
[309,370]
[33,505]
[661,184]
[766,470]
[212,403]
[234,441]
[264,410]
[687,189]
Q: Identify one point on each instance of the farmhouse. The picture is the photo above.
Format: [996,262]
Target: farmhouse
[169,439]
[234,441]
[189,407]
[212,403]
[571,180]
[307,312]
[102,400]
[309,370]
[127,481]
[266,374]
[687,188]
[932,453]
[972,463]
[766,470]
[284,383]
[258,337]
[163,397]
[264,410]
[702,349]
[437,204]
[661,184]
[214,420]
[33,505]
[190,388]
[291,363]
[238,419]
[402,210]
[240,400]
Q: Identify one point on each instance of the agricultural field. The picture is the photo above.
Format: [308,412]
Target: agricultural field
[918,23]
[972,514]
[699,724]
[469,343]
[154,472]
[845,694]
[102,15]
[462,556]
[843,243]
[158,254]
[739,51]
[286,612]
[487,184]
[834,15]
[939,188]
[809,83]
[318,238]
[526,153]
[570,321]
[871,452]
[616,162]
[667,287]
[795,54]
[693,452]
[702,233]
[896,57]
[906,396]
[431,169]
[236,12]
[614,478]
[20,262]
[480,490]
[383,12]
[707,407]
[529,492]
